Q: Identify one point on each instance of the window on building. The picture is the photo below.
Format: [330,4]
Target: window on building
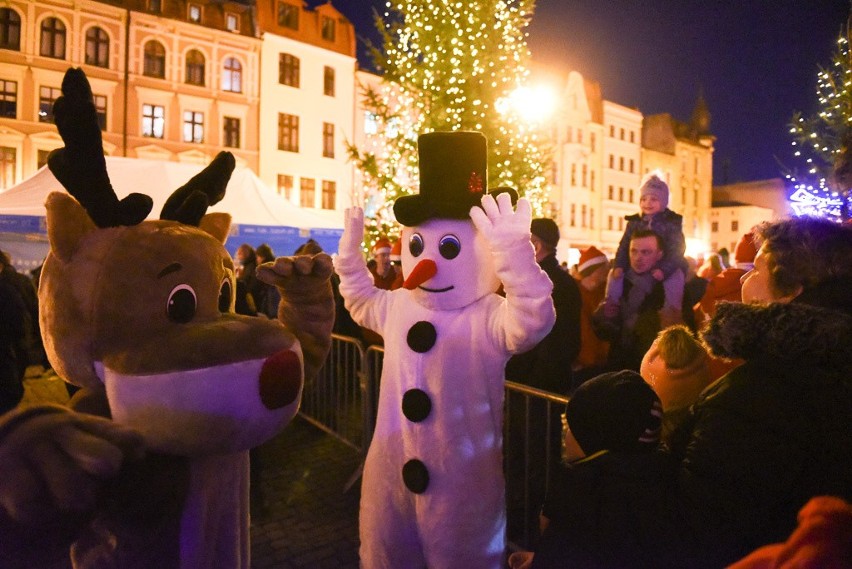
[42,156]
[328,140]
[583,216]
[194,68]
[573,174]
[8,99]
[579,136]
[694,197]
[621,224]
[285,186]
[592,180]
[193,126]
[288,132]
[329,194]
[612,131]
[231,132]
[630,193]
[288,69]
[101,110]
[714,227]
[609,222]
[153,121]
[621,163]
[569,134]
[554,172]
[592,141]
[611,161]
[307,192]
[695,166]
[154,62]
[232,75]
[8,162]
[10,29]
[632,166]
[620,194]
[46,97]
[591,218]
[52,38]
[573,219]
[194,13]
[232,22]
[621,134]
[97,47]
[609,192]
[288,15]
[632,137]
[155,6]
[328,29]
[585,175]
[735,226]
[328,81]
[371,122]
[683,195]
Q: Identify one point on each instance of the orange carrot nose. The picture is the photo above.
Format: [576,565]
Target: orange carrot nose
[423,271]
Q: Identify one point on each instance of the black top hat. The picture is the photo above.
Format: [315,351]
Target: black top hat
[453,178]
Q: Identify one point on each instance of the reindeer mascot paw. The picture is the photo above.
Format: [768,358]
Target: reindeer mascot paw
[150,466]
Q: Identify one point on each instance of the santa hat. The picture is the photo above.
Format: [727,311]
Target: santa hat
[653,185]
[382,245]
[590,260]
[396,251]
[615,411]
[745,252]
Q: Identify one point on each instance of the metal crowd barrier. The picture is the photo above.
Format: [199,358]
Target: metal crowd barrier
[343,400]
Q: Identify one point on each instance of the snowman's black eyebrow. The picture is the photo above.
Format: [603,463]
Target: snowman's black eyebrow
[170,269]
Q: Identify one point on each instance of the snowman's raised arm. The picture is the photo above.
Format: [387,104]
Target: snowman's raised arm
[528,314]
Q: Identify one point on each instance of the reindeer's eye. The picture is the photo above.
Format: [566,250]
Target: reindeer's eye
[181,305]
[225,296]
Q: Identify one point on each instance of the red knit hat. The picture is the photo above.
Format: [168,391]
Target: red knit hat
[745,252]
[382,245]
[590,259]
[396,251]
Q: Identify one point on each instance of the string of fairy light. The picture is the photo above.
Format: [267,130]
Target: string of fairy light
[446,65]
[819,139]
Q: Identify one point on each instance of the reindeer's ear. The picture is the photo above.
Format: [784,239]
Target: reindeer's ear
[67,224]
[216,224]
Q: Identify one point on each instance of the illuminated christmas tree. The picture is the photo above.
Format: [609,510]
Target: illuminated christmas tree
[824,141]
[448,66]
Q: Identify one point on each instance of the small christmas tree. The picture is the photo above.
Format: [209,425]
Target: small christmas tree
[447,66]
[824,142]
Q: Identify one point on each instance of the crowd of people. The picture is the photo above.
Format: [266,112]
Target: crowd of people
[709,404]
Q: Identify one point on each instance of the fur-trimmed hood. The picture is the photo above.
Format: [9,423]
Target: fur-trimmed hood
[792,334]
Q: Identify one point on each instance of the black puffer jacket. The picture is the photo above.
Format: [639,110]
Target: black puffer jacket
[773,432]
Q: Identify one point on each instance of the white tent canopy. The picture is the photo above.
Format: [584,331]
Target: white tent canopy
[259,214]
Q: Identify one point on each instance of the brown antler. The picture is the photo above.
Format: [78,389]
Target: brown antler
[80,166]
[189,202]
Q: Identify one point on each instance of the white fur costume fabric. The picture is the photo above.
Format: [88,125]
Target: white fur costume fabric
[459,519]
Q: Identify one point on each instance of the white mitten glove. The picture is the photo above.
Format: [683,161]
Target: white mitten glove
[502,227]
[353,233]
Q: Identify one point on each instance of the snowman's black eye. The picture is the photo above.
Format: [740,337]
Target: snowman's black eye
[449,246]
[415,245]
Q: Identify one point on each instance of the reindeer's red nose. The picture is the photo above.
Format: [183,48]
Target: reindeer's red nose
[280,379]
[422,272]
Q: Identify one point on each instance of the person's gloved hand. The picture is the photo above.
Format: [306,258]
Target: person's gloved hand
[54,461]
[502,226]
[353,232]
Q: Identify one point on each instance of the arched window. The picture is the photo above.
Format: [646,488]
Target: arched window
[232,75]
[194,67]
[97,47]
[52,38]
[155,60]
[10,29]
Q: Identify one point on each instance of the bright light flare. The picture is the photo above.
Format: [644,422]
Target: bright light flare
[532,104]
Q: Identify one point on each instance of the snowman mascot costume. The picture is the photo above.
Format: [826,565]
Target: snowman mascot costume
[433,488]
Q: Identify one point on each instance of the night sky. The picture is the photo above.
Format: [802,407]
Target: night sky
[754,60]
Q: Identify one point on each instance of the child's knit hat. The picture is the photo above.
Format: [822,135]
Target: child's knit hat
[652,184]
[615,411]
